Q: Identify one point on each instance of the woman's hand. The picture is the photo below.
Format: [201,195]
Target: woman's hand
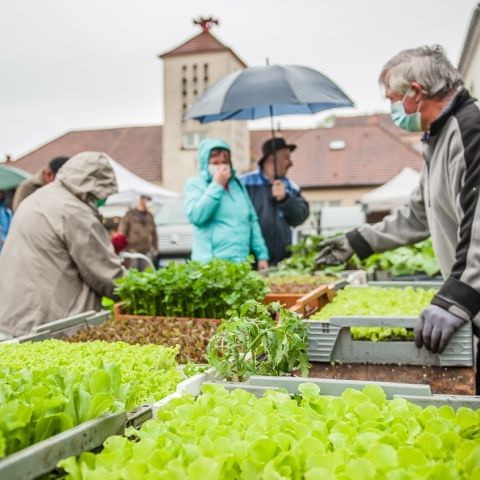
[222,175]
[262,265]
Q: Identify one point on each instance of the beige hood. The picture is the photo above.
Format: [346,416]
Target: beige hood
[89,176]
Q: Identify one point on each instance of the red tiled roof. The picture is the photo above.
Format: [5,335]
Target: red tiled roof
[204,42]
[137,148]
[372,154]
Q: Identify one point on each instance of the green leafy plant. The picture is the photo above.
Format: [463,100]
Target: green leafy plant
[212,290]
[262,340]
[48,387]
[303,254]
[408,260]
[359,435]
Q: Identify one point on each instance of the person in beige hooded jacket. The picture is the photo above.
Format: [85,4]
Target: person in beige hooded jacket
[58,259]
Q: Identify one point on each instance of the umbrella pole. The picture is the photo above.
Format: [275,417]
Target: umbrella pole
[272,128]
[274,152]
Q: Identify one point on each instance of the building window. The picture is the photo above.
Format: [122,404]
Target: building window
[205,73]
[337,145]
[191,140]
[184,88]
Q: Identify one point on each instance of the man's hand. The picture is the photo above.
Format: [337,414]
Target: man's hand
[435,328]
[262,265]
[223,174]
[334,251]
[279,191]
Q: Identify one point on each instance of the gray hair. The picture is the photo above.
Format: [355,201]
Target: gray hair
[427,65]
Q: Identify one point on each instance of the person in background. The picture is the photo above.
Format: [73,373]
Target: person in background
[41,178]
[277,200]
[58,259]
[217,204]
[138,226]
[5,219]
[427,94]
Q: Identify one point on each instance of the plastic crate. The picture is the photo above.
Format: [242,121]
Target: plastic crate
[42,457]
[332,341]
[415,393]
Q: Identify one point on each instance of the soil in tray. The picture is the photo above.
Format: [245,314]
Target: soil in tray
[451,380]
[292,287]
[191,335]
[297,283]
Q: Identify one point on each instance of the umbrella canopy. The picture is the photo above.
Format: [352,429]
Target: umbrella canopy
[258,92]
[11,177]
[131,186]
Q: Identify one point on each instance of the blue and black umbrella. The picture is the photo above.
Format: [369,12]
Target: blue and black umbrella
[258,92]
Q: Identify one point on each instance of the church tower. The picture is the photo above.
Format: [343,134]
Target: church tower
[188,70]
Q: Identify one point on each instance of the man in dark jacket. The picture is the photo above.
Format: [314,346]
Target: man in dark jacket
[277,200]
[138,226]
[427,94]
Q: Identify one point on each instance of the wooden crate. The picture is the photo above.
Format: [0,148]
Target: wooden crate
[305,304]
[313,301]
[287,300]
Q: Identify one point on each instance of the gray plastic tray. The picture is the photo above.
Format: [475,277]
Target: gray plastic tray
[65,325]
[419,394]
[399,284]
[332,342]
[42,457]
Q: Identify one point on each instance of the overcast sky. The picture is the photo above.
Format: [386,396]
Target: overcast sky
[74,64]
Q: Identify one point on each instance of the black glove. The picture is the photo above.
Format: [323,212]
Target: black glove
[435,328]
[334,251]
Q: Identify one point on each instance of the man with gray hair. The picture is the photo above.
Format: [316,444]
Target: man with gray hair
[427,94]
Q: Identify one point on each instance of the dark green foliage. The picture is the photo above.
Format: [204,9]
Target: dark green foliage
[212,290]
[408,260]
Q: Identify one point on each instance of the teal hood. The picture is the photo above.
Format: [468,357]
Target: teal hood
[224,220]
[204,149]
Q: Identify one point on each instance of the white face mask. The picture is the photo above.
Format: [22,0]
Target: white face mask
[213,169]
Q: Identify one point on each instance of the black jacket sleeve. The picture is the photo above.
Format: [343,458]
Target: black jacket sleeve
[295,209]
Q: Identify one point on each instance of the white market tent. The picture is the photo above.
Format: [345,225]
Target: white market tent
[131,186]
[394,193]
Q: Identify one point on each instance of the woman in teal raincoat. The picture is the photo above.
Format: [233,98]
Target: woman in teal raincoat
[217,204]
